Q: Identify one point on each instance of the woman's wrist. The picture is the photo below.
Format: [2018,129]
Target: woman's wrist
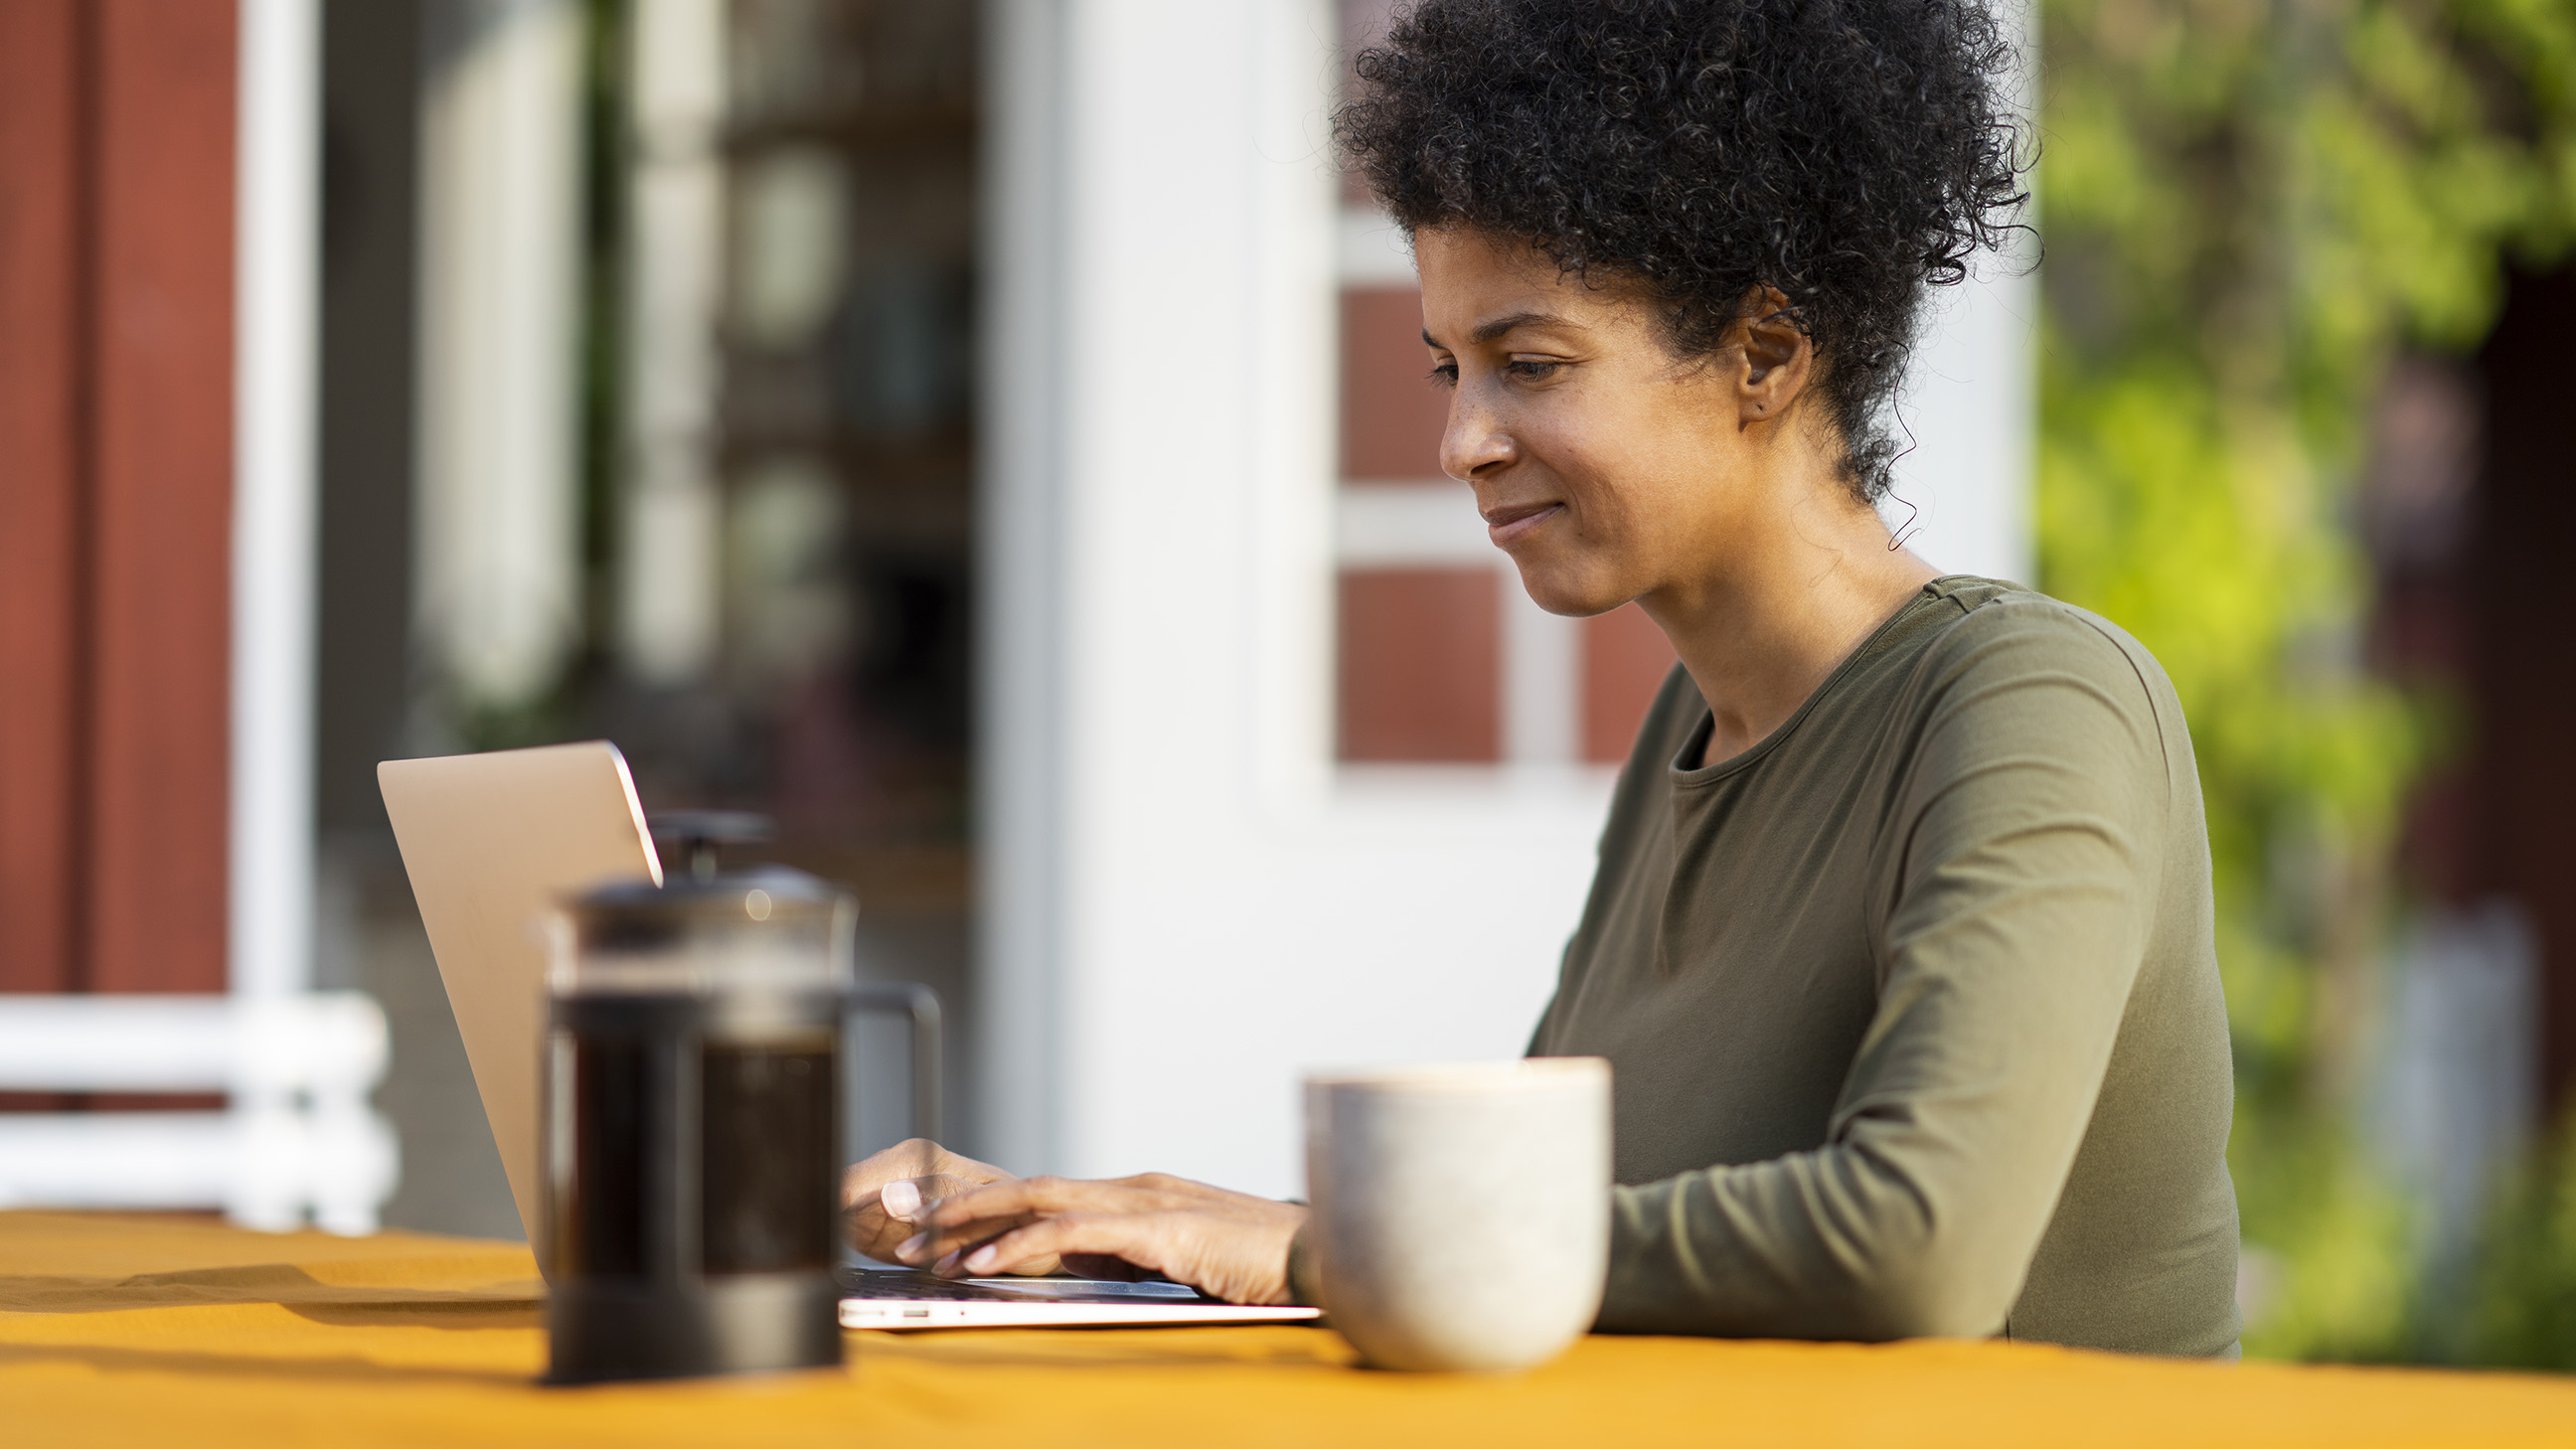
[1304,1290]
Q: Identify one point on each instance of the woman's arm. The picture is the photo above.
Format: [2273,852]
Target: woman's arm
[2023,872]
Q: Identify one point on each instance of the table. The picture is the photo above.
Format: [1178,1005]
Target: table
[132,1330]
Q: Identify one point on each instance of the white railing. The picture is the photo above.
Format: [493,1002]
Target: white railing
[297,1137]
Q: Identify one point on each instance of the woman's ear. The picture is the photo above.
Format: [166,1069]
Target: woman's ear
[1778,356]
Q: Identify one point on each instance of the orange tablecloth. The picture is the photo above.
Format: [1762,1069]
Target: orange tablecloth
[130,1330]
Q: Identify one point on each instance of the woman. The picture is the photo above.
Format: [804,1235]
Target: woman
[1901,940]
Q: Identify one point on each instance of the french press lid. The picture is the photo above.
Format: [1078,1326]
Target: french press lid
[769,928]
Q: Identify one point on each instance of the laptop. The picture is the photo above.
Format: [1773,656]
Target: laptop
[883,1297]
[492,842]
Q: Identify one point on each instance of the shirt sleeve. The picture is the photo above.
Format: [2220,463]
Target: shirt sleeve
[2019,863]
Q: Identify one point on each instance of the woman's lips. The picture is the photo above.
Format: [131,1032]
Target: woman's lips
[1511,522]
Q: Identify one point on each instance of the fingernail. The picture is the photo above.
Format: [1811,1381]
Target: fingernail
[979,1261]
[901,1200]
[912,1245]
[945,1265]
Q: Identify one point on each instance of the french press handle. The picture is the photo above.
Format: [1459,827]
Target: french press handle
[921,1004]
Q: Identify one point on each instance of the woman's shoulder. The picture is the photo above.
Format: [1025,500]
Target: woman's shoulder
[2014,651]
[1992,625]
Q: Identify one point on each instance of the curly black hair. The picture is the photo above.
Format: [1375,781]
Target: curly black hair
[1845,152]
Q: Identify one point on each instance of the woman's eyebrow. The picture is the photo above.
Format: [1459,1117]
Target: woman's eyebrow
[1497,327]
[1501,327]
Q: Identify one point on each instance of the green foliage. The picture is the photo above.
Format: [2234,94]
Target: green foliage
[2250,207]
[2522,1313]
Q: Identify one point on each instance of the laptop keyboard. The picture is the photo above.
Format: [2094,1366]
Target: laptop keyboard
[907,1283]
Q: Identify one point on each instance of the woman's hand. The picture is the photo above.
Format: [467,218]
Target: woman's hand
[883,1197]
[1230,1245]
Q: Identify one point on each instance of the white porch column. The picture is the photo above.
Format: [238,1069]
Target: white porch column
[498,573]
[667,585]
[274,569]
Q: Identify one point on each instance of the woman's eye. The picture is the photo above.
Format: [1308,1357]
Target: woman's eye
[1445,374]
[1530,368]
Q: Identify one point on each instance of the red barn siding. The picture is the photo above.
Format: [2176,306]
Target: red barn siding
[116,276]
[41,136]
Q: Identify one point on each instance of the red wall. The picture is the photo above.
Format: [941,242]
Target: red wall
[116,280]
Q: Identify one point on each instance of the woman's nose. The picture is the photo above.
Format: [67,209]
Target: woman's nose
[1474,438]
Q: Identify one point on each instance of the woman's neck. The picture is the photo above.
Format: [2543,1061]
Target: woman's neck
[1797,594]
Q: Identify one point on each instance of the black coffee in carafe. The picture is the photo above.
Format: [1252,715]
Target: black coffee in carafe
[692,1127]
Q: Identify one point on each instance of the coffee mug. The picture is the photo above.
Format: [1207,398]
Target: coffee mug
[1462,1212]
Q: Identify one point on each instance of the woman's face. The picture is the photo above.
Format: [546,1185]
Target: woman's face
[1607,469]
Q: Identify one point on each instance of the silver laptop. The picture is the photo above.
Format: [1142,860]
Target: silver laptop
[877,1297]
[491,842]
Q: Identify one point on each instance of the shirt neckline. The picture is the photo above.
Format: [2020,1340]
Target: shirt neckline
[1695,743]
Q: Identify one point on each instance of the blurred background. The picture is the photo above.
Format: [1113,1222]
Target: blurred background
[991,440]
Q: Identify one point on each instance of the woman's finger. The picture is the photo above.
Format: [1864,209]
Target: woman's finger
[1022,1197]
[906,1200]
[938,1250]
[1130,1238]
[875,1224]
[1016,1198]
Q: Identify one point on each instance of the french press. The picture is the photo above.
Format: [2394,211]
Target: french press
[693,1070]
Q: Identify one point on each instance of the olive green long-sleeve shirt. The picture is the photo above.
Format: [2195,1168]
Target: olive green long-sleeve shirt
[1913,1007]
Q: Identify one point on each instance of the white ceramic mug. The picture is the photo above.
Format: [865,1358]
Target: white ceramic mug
[1461,1213]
